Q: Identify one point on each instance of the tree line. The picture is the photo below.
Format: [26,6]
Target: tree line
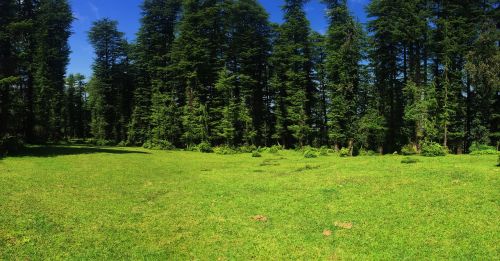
[218,72]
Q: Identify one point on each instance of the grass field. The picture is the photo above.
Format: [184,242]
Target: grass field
[128,203]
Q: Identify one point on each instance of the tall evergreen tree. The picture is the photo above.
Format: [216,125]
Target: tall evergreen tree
[199,56]
[53,25]
[292,79]
[110,86]
[342,62]
[155,100]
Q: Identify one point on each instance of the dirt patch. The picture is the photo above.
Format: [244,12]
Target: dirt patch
[327,232]
[260,218]
[344,225]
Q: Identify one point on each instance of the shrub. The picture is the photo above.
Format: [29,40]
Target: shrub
[344,152]
[275,149]
[310,154]
[158,145]
[432,149]
[498,161]
[256,154]
[323,151]
[409,149]
[363,152]
[409,160]
[247,149]
[482,149]
[10,144]
[484,152]
[205,147]
[224,150]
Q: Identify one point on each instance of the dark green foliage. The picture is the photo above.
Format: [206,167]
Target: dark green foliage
[482,149]
[10,144]
[432,149]
[409,160]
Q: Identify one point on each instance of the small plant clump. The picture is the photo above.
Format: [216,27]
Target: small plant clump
[158,145]
[433,149]
[205,147]
[256,154]
[344,152]
[363,152]
[310,154]
[275,149]
[409,149]
[224,150]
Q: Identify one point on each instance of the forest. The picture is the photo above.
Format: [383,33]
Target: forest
[219,73]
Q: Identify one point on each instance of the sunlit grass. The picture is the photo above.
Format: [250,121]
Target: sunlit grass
[128,203]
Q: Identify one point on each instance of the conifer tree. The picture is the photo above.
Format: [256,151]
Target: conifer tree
[292,78]
[155,100]
[343,56]
[110,87]
[53,25]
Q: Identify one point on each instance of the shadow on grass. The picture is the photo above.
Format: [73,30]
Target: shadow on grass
[54,151]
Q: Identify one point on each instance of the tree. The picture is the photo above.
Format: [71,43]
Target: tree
[154,99]
[110,90]
[53,25]
[198,55]
[343,57]
[292,79]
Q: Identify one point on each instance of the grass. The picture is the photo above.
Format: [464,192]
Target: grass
[128,203]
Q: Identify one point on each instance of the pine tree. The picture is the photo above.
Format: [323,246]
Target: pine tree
[8,75]
[53,25]
[110,88]
[292,79]
[198,55]
[155,101]
[342,65]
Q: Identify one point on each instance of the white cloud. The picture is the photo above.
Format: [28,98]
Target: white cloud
[95,10]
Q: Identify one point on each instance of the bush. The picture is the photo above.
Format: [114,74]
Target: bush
[275,149]
[344,152]
[323,151]
[432,149]
[409,149]
[363,152]
[205,147]
[484,152]
[10,144]
[247,149]
[158,145]
[498,161]
[224,150]
[310,154]
[409,160]
[482,149]
[256,154]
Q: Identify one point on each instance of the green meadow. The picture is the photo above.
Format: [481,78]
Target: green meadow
[71,202]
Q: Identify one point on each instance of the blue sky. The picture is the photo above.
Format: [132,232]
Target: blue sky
[127,13]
